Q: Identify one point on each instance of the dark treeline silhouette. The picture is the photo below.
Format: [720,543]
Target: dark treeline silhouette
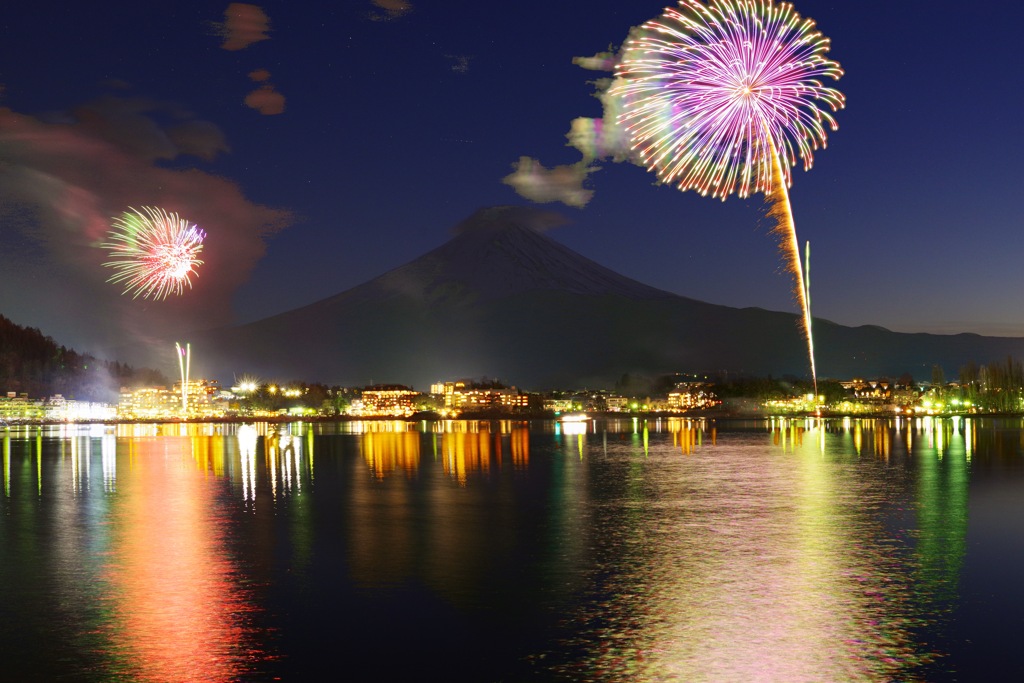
[34,364]
[997,386]
[768,388]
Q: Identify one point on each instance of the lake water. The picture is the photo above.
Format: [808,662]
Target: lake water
[665,550]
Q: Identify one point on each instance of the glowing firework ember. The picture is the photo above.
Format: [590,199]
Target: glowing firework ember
[153,252]
[722,98]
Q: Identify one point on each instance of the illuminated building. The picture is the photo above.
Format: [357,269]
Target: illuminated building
[881,395]
[446,389]
[149,403]
[561,405]
[617,404]
[691,396]
[489,398]
[385,399]
[200,395]
[18,407]
[463,395]
[203,399]
[874,390]
[59,408]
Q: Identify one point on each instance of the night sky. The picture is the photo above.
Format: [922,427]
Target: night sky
[320,147]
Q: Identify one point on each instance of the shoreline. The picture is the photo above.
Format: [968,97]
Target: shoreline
[499,417]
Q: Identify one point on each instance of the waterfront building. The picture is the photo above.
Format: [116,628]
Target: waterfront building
[149,403]
[385,399]
[202,395]
[617,404]
[560,405]
[464,395]
[58,408]
[15,406]
[448,390]
[691,396]
[474,399]
[19,407]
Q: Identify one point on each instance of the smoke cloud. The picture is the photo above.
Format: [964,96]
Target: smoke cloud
[62,182]
[264,99]
[243,25]
[544,185]
[393,9]
[597,139]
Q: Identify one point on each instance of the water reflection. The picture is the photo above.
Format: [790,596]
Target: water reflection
[632,550]
[389,452]
[943,468]
[520,445]
[128,536]
[248,440]
[688,435]
[78,451]
[176,612]
[465,452]
[7,462]
[285,461]
[729,570]
[212,448]
[463,448]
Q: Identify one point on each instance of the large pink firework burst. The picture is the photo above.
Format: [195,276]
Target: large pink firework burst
[709,91]
[153,252]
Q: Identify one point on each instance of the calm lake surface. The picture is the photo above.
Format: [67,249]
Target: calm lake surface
[665,550]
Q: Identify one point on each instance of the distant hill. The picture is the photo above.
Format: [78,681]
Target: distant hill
[34,364]
[500,299]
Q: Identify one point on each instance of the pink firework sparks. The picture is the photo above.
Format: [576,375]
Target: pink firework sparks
[153,252]
[710,90]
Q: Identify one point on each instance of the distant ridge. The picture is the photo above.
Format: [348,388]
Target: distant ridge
[501,299]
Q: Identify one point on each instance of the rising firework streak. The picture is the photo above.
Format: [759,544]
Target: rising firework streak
[723,98]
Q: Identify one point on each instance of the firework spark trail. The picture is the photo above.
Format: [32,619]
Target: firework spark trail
[723,98]
[153,252]
[807,315]
[184,365]
[785,229]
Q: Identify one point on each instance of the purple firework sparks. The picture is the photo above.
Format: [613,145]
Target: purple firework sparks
[710,90]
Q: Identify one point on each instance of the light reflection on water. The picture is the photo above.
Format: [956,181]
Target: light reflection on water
[175,611]
[626,550]
[723,567]
[123,557]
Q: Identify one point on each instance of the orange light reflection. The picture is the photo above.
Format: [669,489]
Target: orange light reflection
[177,612]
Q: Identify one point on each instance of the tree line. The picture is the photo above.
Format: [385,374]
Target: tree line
[34,364]
[998,386]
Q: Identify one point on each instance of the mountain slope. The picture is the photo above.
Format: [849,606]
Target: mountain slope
[502,300]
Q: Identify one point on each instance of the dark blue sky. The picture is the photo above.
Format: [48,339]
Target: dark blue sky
[398,124]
